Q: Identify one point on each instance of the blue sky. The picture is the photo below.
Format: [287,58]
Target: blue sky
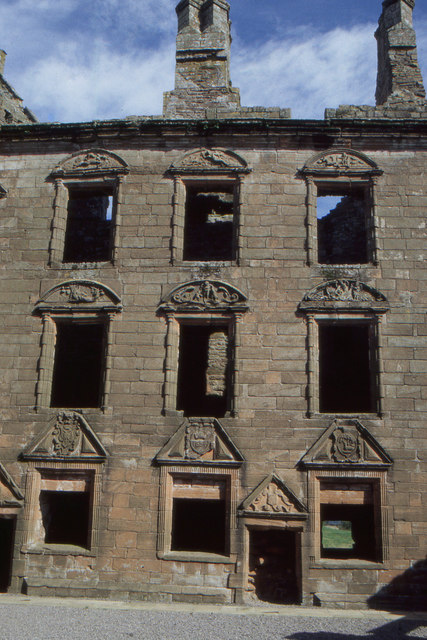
[73,60]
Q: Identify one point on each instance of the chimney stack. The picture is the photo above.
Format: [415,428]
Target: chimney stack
[2,60]
[202,75]
[399,77]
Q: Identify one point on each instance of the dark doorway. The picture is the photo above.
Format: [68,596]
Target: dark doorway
[273,566]
[7,536]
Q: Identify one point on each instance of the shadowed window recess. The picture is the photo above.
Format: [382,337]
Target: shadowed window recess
[79,364]
[90,219]
[209,227]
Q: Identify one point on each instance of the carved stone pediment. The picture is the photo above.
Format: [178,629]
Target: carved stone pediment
[344,294]
[201,295]
[209,161]
[10,494]
[3,192]
[272,498]
[201,441]
[91,162]
[69,438]
[341,162]
[82,294]
[349,443]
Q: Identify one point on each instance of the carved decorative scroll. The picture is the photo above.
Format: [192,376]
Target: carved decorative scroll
[339,293]
[204,295]
[209,161]
[91,161]
[272,498]
[341,162]
[70,437]
[346,442]
[84,294]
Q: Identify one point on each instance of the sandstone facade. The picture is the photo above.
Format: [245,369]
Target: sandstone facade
[199,430]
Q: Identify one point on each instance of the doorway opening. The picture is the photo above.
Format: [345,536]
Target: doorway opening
[274,561]
[7,536]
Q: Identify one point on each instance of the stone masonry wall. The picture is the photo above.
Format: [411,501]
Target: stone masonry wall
[271,427]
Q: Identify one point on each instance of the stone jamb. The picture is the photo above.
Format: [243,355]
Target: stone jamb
[166,494]
[174,321]
[60,213]
[91,472]
[47,353]
[378,479]
[375,349]
[181,183]
[334,169]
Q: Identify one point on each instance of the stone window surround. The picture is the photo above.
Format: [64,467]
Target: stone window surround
[374,322]
[91,472]
[179,209]
[47,355]
[57,242]
[375,477]
[164,537]
[174,322]
[365,174]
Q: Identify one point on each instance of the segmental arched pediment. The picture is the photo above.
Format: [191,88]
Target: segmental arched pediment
[210,161]
[80,294]
[91,162]
[344,294]
[341,162]
[201,295]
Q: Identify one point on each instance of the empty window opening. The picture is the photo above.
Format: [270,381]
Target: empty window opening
[345,368]
[7,536]
[348,521]
[209,223]
[273,575]
[79,365]
[198,525]
[342,225]
[199,514]
[66,517]
[88,235]
[203,370]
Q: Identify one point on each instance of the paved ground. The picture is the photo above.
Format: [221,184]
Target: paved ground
[30,618]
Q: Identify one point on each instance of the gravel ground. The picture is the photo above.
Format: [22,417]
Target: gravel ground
[36,621]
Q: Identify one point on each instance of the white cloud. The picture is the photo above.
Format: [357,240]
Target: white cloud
[73,61]
[309,71]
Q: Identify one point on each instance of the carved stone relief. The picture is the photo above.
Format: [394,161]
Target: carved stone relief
[272,500]
[344,291]
[91,161]
[78,292]
[341,161]
[209,160]
[345,446]
[69,437]
[204,294]
[202,440]
[199,438]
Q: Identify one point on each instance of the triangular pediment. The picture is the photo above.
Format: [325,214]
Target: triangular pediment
[3,192]
[344,294]
[341,162]
[91,162]
[10,494]
[200,441]
[272,498]
[81,294]
[209,161]
[69,438]
[200,295]
[346,442]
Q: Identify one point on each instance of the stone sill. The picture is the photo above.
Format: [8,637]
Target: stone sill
[206,263]
[194,556]
[77,266]
[356,416]
[346,564]
[59,550]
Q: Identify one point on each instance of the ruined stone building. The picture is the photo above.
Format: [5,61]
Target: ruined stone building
[213,342]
